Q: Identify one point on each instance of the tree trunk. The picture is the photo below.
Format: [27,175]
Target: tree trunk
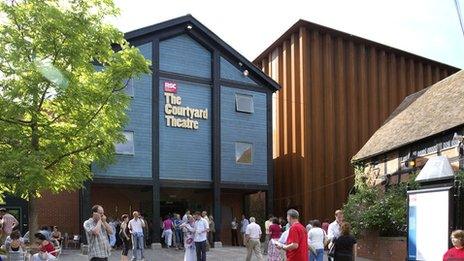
[33,214]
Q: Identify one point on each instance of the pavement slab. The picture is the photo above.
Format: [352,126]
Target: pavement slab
[215,254]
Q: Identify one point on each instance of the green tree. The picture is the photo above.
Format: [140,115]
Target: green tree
[58,113]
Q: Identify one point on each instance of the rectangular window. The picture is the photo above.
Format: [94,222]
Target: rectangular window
[244,103]
[126,148]
[129,90]
[404,158]
[421,149]
[449,142]
[243,153]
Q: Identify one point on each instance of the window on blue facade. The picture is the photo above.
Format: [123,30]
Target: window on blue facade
[243,153]
[129,90]
[126,148]
[244,103]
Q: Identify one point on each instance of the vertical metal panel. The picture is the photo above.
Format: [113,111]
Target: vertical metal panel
[341,122]
[436,74]
[293,84]
[402,78]
[303,111]
[392,87]
[287,118]
[362,104]
[281,119]
[373,91]
[411,80]
[419,77]
[383,84]
[329,115]
[428,75]
[317,118]
[336,91]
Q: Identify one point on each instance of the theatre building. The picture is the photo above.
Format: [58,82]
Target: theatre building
[337,90]
[199,136]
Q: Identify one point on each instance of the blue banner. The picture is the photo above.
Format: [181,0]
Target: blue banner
[412,250]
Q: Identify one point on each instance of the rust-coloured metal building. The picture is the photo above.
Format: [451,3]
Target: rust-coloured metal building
[337,90]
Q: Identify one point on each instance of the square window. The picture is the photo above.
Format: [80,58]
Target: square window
[126,148]
[243,153]
[244,103]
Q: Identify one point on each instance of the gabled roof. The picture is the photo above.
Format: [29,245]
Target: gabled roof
[431,111]
[196,25]
[324,29]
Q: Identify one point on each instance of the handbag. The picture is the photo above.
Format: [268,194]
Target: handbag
[326,240]
[331,252]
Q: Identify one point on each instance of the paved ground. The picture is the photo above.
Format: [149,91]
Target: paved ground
[224,253]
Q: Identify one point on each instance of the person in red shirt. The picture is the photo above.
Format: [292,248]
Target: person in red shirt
[456,253]
[296,246]
[46,249]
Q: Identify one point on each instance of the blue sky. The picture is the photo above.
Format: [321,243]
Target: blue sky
[428,28]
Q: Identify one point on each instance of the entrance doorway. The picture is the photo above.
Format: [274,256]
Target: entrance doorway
[178,200]
[171,207]
[19,209]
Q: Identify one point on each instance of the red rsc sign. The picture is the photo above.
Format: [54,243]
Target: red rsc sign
[170,87]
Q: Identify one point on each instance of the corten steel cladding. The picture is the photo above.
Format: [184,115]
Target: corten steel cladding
[337,90]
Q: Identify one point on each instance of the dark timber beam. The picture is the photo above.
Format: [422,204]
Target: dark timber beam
[155,142]
[216,134]
[270,162]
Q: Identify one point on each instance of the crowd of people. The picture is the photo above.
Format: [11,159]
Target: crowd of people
[284,239]
[290,240]
[45,246]
[193,233]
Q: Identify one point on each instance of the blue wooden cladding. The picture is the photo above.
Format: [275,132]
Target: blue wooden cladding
[230,72]
[184,55]
[186,153]
[243,127]
[139,113]
[146,50]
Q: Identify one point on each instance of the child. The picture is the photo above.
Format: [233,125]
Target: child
[14,245]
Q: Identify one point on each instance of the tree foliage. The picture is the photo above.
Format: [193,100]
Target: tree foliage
[58,112]
[372,208]
[376,208]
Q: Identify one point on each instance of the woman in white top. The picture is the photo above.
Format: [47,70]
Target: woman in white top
[189,226]
[316,239]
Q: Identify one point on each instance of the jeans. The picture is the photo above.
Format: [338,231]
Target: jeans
[137,246]
[179,237]
[168,237]
[319,256]
[200,248]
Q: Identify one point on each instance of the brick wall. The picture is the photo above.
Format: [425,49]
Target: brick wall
[60,210]
[382,248]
